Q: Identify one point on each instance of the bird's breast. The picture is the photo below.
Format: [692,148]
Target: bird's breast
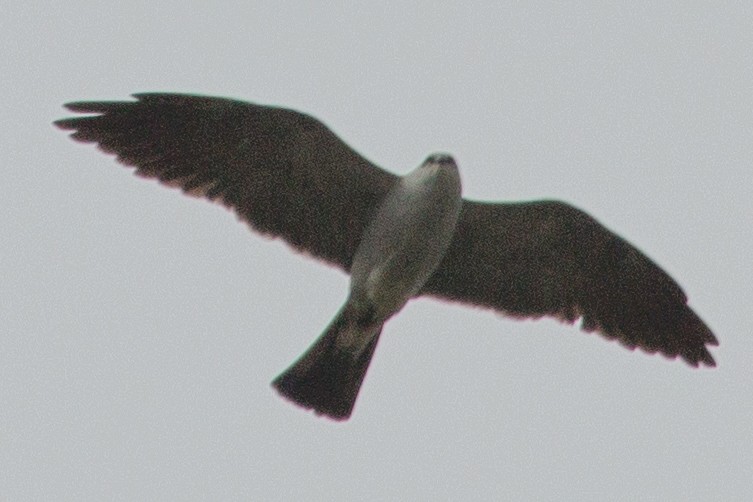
[408,237]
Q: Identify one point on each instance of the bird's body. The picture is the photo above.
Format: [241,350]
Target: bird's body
[407,239]
[399,250]
[287,175]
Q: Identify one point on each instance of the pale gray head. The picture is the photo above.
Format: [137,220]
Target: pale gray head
[437,166]
[442,159]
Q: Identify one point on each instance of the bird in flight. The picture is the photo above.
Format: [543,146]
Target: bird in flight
[287,175]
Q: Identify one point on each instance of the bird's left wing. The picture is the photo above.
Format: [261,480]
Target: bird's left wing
[283,172]
[547,258]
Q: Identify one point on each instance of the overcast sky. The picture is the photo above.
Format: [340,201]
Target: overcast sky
[140,329]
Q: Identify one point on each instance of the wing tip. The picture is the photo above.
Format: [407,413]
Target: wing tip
[681,334]
[699,358]
[65,124]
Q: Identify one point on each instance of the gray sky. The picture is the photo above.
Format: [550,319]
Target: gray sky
[140,328]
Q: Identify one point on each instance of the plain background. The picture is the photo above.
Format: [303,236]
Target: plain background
[139,328]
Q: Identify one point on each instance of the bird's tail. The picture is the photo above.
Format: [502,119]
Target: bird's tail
[328,376]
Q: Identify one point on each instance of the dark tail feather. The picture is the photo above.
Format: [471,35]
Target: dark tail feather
[327,378]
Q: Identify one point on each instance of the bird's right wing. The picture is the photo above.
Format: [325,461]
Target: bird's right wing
[548,258]
[281,171]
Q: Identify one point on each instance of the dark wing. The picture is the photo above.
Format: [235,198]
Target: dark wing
[549,258]
[281,171]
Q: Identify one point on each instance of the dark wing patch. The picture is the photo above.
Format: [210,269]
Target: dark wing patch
[548,258]
[281,171]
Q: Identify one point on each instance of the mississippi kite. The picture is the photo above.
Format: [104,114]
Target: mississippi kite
[287,175]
